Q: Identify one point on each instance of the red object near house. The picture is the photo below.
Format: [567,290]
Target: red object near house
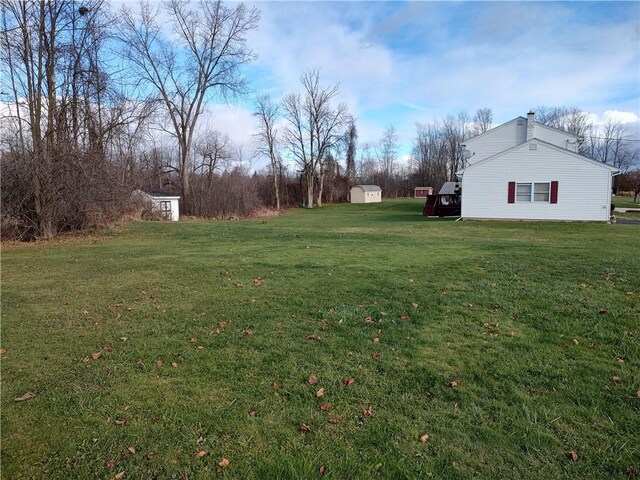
[447,203]
[422,192]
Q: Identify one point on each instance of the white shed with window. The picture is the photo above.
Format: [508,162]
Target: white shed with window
[366,194]
[537,181]
[164,203]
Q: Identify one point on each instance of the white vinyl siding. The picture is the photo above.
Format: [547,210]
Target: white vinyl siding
[584,186]
[514,133]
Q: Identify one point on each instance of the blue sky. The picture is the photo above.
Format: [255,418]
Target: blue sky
[399,63]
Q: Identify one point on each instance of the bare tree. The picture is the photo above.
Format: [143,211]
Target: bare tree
[314,126]
[388,153]
[630,181]
[267,113]
[351,138]
[201,61]
[573,120]
[482,121]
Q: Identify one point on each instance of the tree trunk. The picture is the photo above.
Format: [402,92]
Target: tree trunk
[310,189]
[276,188]
[321,186]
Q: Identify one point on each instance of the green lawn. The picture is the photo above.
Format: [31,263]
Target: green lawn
[625,202]
[538,324]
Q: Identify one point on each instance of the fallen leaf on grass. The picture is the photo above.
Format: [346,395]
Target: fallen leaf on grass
[131,450]
[26,396]
[631,472]
[239,285]
[224,463]
[376,355]
[122,423]
[325,325]
[323,470]
[109,464]
[248,331]
[159,363]
[85,360]
[629,294]
[312,380]
[305,428]
[366,412]
[415,305]
[334,421]
[376,340]
[603,311]
[325,407]
[638,394]
[312,337]
[193,340]
[619,359]
[222,324]
[369,320]
[573,456]
[174,365]
[253,413]
[348,381]
[320,393]
[95,356]
[424,438]
[616,379]
[565,346]
[404,316]
[274,385]
[200,347]
[257,282]
[150,455]
[119,476]
[201,453]
[3,351]
[453,384]
[593,346]
[139,362]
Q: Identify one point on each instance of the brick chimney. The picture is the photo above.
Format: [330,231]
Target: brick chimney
[530,117]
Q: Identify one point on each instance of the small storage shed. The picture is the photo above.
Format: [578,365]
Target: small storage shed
[366,194]
[422,192]
[165,203]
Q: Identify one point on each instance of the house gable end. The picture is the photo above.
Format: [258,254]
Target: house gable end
[541,142]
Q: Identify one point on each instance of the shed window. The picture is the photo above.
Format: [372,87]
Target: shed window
[523,192]
[165,208]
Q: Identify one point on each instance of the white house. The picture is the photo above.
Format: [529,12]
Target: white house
[366,194]
[525,170]
[167,205]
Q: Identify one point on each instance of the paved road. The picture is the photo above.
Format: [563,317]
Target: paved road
[627,221]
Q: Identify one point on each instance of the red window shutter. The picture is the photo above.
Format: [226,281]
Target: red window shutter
[512,192]
[554,192]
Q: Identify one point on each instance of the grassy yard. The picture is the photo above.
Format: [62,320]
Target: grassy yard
[509,344]
[625,202]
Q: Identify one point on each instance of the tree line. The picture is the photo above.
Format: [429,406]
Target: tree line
[98,103]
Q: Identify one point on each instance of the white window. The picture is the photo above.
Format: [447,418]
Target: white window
[523,192]
[533,192]
[541,192]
